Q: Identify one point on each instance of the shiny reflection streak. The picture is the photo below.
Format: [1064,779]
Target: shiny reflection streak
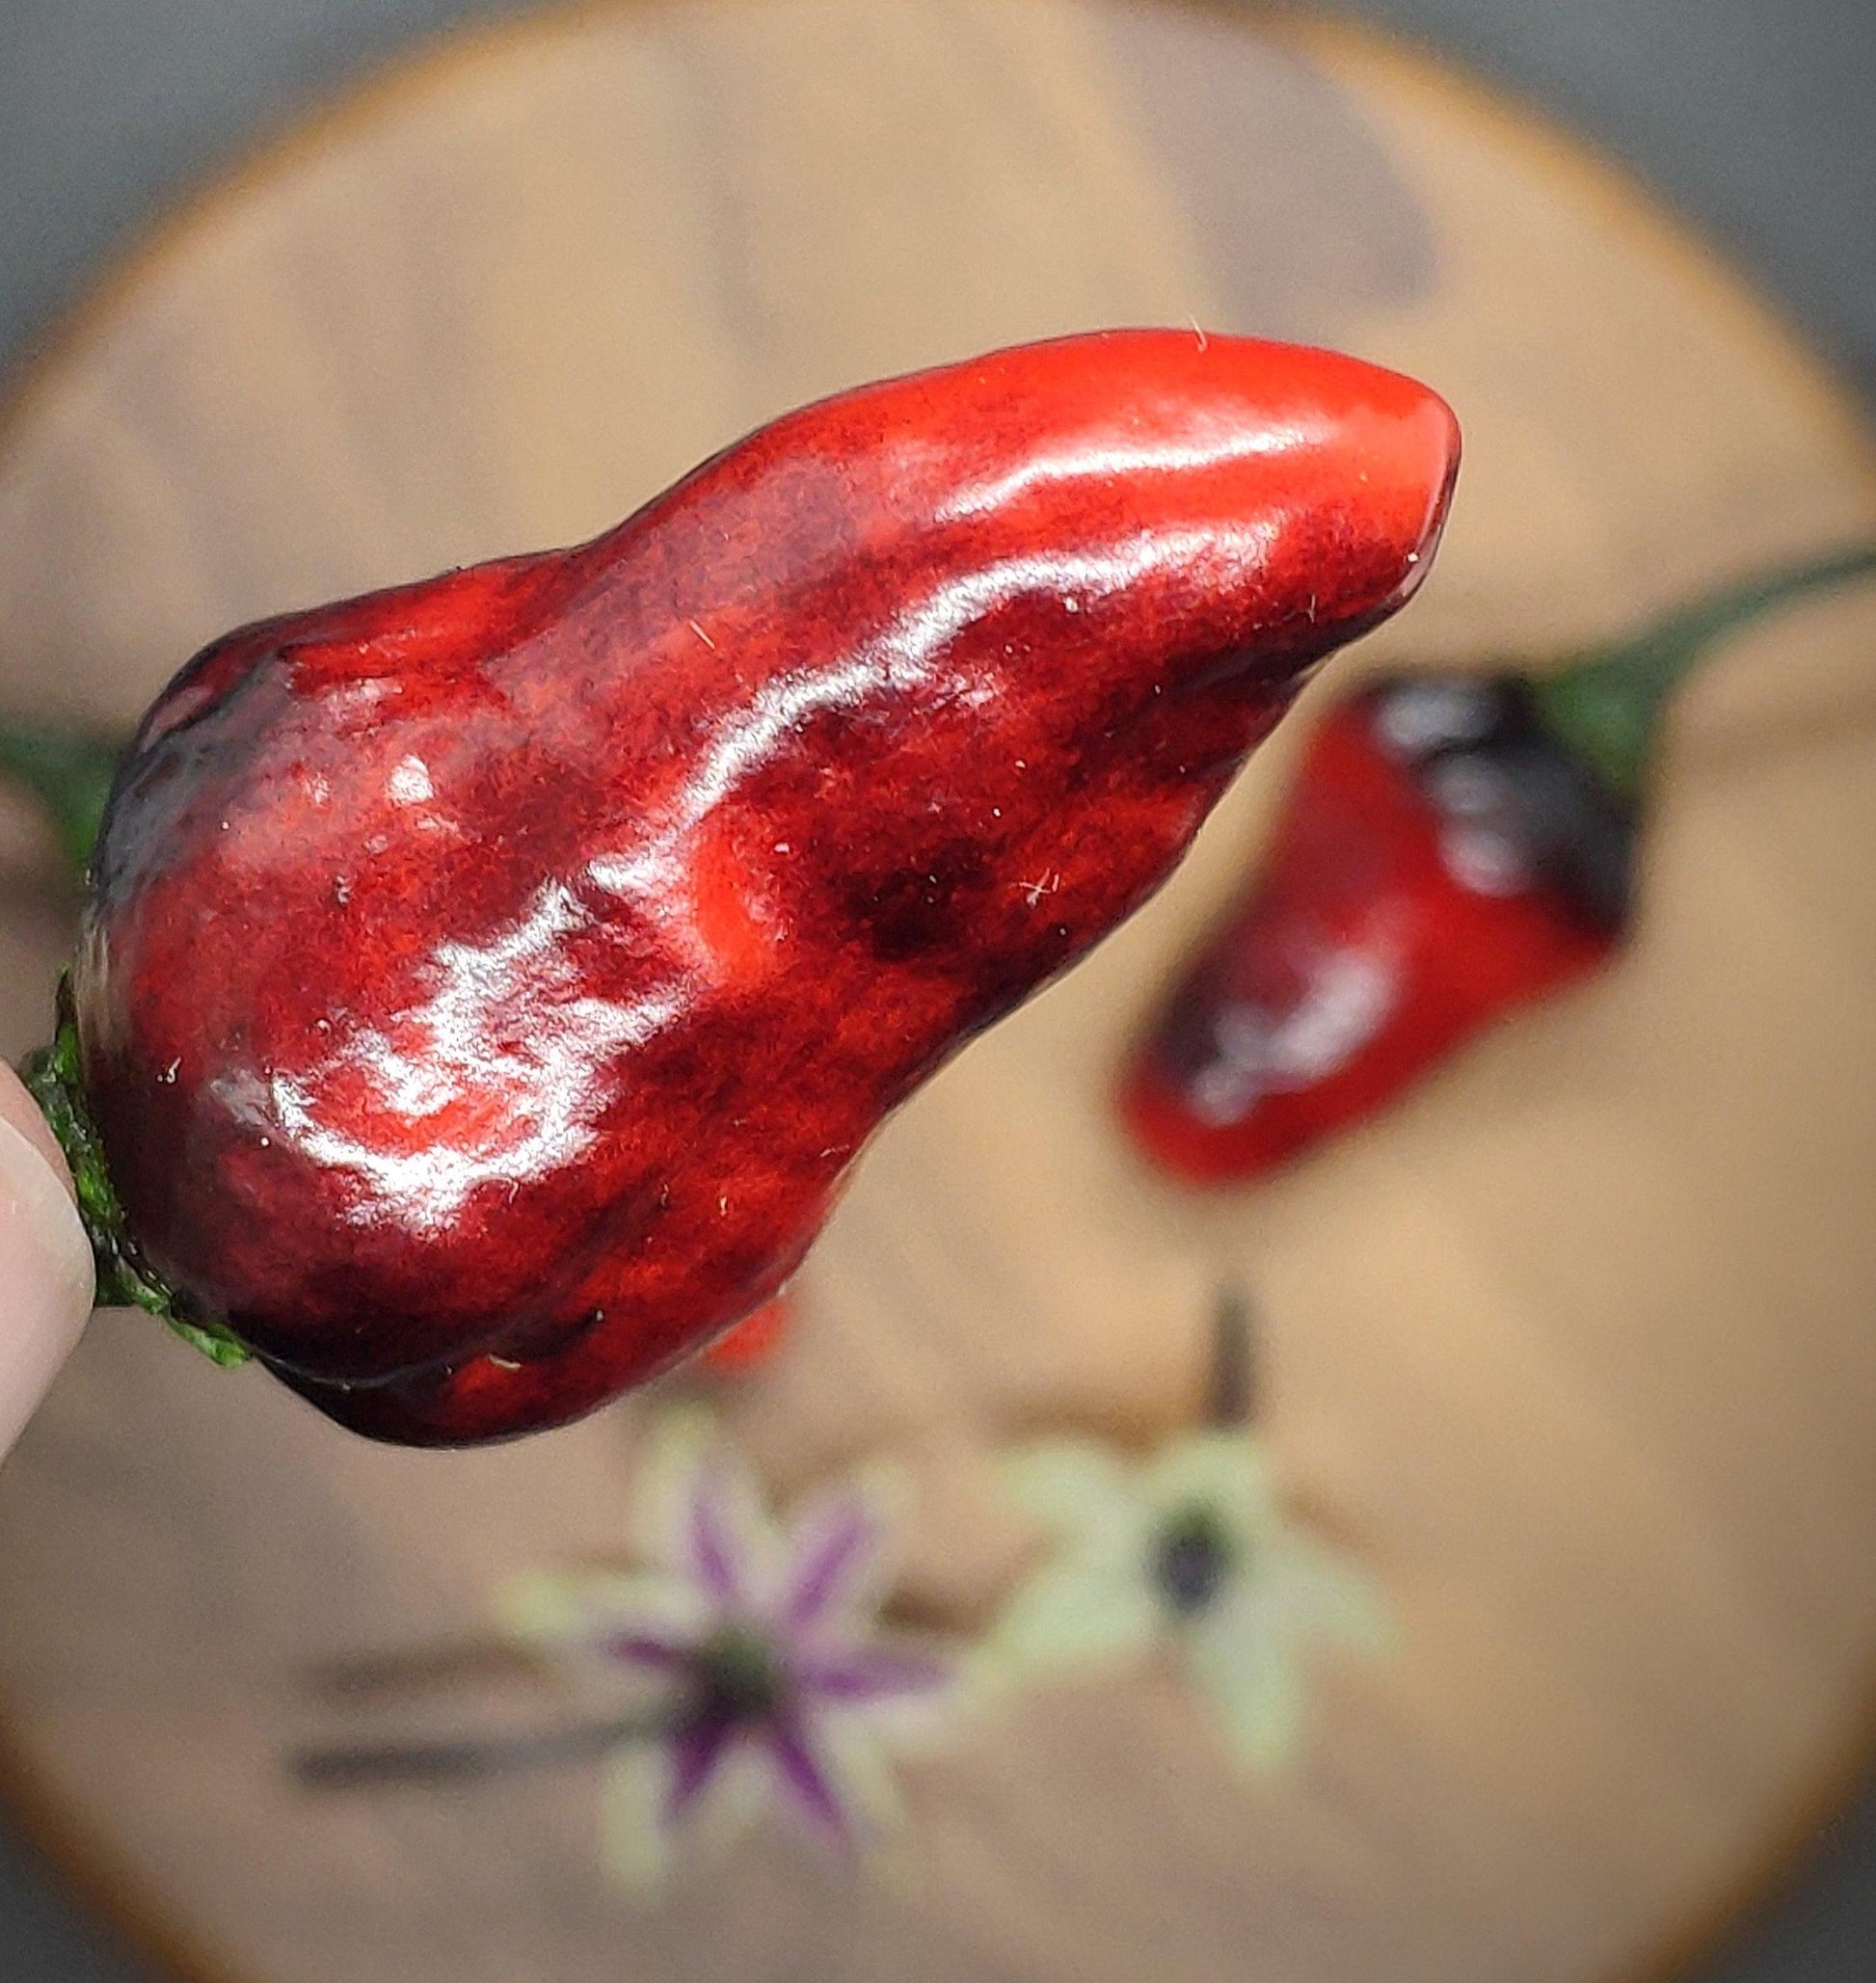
[1198,449]
[482,1083]
[909,650]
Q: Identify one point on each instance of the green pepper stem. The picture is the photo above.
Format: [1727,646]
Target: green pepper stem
[54,1078]
[69,772]
[1607,707]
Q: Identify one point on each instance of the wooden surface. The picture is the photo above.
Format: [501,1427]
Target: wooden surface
[1576,1346]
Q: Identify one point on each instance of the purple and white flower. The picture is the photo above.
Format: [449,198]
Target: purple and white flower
[755,1649]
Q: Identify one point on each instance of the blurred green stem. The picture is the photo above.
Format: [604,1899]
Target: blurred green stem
[69,772]
[1606,707]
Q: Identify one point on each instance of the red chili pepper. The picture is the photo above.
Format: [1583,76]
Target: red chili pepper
[488,983]
[747,1345]
[1456,847]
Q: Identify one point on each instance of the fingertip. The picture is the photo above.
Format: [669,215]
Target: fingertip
[46,1272]
[18,1108]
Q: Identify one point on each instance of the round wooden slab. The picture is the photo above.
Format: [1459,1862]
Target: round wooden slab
[1576,1346]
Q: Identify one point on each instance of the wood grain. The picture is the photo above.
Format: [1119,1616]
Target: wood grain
[1576,1343]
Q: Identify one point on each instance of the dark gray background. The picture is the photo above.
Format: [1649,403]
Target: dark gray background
[1757,117]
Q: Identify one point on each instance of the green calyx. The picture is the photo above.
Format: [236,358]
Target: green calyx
[1606,708]
[69,772]
[53,1078]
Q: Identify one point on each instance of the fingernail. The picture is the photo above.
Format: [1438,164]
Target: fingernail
[46,1279]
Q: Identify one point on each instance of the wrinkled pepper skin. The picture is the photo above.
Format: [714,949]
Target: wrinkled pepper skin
[487,984]
[1441,863]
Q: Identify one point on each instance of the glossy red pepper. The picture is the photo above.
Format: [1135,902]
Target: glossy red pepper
[1455,846]
[487,984]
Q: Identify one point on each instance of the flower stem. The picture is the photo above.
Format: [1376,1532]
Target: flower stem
[467,1759]
[1231,1384]
[1607,706]
[362,1678]
[69,772]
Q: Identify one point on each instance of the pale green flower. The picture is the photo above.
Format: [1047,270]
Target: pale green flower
[1189,1551]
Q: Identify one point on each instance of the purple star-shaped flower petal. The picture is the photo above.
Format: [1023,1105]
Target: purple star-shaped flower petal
[696,1751]
[805,1781]
[832,1555]
[661,1650]
[868,1673]
[714,1548]
[778,1661]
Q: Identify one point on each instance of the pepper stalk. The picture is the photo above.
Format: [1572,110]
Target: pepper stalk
[52,1077]
[1607,707]
[69,773]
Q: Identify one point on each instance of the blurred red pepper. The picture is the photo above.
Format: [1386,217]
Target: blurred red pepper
[754,1341]
[1456,847]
